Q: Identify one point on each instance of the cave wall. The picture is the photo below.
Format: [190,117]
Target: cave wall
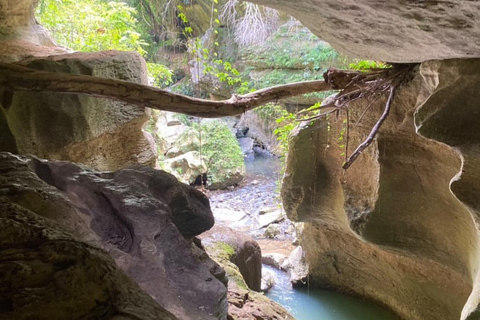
[103,245]
[395,31]
[398,227]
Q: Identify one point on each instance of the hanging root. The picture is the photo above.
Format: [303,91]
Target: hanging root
[355,85]
[373,133]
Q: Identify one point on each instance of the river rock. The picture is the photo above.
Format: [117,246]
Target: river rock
[141,216]
[274,259]
[268,218]
[268,281]
[272,231]
[297,267]
[246,255]
[228,216]
[244,304]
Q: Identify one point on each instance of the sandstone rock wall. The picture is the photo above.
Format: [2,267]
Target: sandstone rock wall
[391,228]
[101,133]
[396,31]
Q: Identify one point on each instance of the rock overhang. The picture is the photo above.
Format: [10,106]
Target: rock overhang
[393,31]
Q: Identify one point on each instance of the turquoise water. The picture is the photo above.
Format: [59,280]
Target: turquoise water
[317,304]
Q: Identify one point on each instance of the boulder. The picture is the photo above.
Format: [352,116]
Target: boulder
[297,267]
[268,218]
[188,141]
[48,273]
[244,304]
[246,253]
[272,231]
[228,216]
[186,167]
[268,281]
[143,217]
[274,259]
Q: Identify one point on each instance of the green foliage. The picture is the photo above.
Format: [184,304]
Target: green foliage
[162,76]
[287,122]
[365,65]
[91,25]
[212,64]
[221,148]
[270,112]
[224,251]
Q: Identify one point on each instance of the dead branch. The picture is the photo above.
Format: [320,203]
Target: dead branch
[16,77]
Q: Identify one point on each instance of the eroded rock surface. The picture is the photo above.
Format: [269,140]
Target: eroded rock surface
[246,255]
[231,251]
[392,228]
[100,133]
[49,274]
[141,216]
[397,31]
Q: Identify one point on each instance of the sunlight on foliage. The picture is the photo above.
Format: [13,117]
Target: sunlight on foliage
[91,25]
[161,75]
[364,65]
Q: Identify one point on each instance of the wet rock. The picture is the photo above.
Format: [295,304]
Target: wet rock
[244,304]
[297,267]
[275,260]
[141,216]
[268,281]
[246,253]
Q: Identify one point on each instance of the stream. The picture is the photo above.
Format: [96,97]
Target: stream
[317,304]
[239,208]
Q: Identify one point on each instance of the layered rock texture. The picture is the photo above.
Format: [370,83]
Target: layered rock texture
[399,226]
[101,133]
[396,31]
[59,218]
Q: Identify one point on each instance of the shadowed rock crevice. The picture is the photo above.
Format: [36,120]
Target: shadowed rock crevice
[69,278]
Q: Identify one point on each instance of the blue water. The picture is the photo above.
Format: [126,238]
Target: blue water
[317,304]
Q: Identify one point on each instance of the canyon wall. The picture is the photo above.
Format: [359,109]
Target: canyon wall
[399,226]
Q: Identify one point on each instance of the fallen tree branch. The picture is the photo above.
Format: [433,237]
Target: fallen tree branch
[16,77]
